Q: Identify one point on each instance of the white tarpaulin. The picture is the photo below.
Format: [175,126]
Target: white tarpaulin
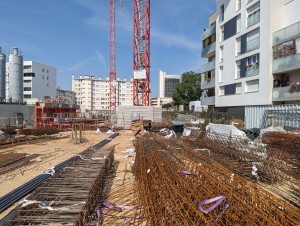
[225,130]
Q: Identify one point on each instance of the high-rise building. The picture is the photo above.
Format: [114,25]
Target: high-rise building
[253,50]
[92,94]
[167,84]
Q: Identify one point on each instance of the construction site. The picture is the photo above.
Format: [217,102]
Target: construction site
[138,165]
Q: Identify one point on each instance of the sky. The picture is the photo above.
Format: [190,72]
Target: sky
[73,35]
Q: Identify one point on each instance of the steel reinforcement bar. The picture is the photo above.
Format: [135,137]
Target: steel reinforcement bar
[54,175]
[176,184]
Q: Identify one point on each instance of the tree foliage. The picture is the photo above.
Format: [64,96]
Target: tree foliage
[188,90]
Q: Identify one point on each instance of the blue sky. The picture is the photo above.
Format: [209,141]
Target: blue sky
[73,35]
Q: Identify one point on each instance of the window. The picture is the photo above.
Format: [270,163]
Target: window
[221,74]
[47,71]
[29,74]
[221,54]
[252,65]
[27,81]
[238,69]
[238,46]
[231,89]
[27,96]
[238,24]
[47,78]
[238,88]
[27,88]
[238,4]
[222,10]
[253,40]
[253,15]
[221,33]
[43,70]
[252,86]
[27,67]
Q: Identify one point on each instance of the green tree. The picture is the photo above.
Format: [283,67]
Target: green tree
[188,90]
[167,106]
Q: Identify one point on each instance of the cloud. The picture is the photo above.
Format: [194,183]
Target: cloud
[171,39]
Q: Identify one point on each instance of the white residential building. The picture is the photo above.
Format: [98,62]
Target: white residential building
[257,49]
[39,80]
[92,94]
[167,84]
[160,101]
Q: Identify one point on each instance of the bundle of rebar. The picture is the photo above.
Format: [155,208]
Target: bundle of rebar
[70,196]
[178,185]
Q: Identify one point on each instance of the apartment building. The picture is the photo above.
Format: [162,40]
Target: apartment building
[92,94]
[208,69]
[253,58]
[39,80]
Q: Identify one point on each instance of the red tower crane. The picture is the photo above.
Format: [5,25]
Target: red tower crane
[112,72]
[141,52]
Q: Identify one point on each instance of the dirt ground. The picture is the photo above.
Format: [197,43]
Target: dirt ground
[54,152]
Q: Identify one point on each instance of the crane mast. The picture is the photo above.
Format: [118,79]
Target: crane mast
[112,72]
[141,52]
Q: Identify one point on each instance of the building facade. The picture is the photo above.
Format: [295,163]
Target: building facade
[39,80]
[160,101]
[253,58]
[92,94]
[167,84]
[67,96]
[208,70]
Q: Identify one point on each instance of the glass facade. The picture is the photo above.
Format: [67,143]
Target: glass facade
[170,86]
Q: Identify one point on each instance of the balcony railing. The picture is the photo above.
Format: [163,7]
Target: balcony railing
[254,19]
[253,70]
[286,34]
[207,100]
[253,44]
[208,49]
[208,67]
[286,64]
[286,93]
[208,32]
[205,84]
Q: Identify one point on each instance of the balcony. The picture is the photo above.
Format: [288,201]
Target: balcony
[286,34]
[286,64]
[208,100]
[254,19]
[253,44]
[208,50]
[253,70]
[208,67]
[206,84]
[286,93]
[208,32]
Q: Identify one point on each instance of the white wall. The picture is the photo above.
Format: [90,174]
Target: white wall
[291,12]
[44,82]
